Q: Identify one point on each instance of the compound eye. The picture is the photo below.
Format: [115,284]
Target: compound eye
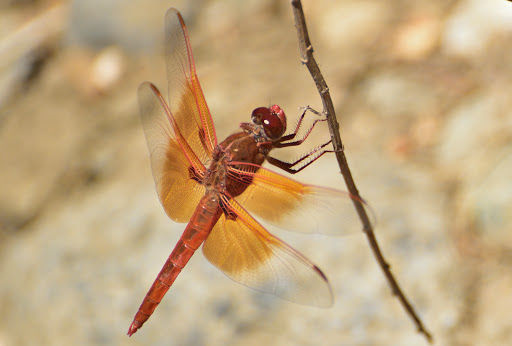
[273,121]
[258,114]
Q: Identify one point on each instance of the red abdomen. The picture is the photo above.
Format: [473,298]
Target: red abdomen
[201,223]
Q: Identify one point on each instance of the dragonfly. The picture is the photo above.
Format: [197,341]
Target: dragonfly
[216,186]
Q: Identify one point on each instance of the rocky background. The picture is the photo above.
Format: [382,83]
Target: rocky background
[422,92]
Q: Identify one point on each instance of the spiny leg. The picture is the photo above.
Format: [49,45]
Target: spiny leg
[287,166]
[280,144]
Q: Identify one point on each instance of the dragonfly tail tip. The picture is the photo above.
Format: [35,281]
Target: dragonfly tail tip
[133,328]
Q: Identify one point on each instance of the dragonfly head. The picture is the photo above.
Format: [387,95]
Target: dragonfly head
[273,121]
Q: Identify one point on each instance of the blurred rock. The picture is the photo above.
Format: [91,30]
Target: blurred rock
[352,23]
[396,94]
[473,24]
[26,43]
[471,129]
[417,38]
[107,69]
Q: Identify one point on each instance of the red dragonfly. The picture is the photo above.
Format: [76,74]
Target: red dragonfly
[211,186]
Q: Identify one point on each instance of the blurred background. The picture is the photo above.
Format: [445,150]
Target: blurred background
[422,93]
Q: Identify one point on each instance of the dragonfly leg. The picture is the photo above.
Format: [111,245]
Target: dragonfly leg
[280,143]
[312,156]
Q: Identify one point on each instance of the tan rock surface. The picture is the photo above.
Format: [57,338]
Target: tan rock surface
[427,129]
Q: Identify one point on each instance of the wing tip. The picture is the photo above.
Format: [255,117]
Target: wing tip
[330,301]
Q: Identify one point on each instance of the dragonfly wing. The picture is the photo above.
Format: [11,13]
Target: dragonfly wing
[186,98]
[241,248]
[173,162]
[294,206]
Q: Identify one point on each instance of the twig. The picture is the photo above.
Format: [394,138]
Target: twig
[306,52]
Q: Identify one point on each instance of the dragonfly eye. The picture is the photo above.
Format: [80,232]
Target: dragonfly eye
[273,120]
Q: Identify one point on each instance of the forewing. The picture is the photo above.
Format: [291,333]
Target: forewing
[173,162]
[186,98]
[242,249]
[297,207]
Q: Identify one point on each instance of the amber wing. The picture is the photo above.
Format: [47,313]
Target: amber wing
[186,98]
[242,249]
[294,206]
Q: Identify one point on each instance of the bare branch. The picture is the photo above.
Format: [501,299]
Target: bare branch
[306,56]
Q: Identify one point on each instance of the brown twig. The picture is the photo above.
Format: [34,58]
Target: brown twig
[306,52]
